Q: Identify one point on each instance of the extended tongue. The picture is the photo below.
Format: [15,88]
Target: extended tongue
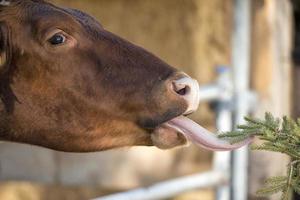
[202,137]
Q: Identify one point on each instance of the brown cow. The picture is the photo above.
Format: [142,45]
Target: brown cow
[68,84]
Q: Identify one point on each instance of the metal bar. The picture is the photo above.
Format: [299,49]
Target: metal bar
[210,93]
[240,63]
[221,160]
[170,188]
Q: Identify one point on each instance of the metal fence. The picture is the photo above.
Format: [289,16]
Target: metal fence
[232,99]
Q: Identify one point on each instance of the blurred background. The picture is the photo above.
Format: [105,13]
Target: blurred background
[195,36]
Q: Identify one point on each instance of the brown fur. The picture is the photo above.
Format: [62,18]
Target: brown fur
[96,92]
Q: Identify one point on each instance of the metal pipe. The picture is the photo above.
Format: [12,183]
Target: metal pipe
[221,160]
[170,188]
[210,93]
[241,68]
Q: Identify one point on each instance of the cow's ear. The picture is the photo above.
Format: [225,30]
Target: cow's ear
[5,48]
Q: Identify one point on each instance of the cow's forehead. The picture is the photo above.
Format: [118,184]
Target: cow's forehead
[83,17]
[39,9]
[90,24]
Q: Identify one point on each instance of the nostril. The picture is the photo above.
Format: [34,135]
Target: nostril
[188,89]
[182,90]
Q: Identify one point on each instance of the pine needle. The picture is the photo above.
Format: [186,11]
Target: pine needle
[278,135]
[269,190]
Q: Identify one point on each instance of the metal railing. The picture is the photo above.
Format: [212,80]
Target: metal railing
[232,97]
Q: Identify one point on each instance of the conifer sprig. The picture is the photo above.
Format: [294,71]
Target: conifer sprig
[278,135]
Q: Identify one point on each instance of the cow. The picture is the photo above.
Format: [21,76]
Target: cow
[68,84]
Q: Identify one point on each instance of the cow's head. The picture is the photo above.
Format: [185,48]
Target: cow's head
[68,84]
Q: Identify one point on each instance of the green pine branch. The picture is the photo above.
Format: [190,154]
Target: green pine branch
[278,135]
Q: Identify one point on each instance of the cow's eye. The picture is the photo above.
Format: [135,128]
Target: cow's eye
[57,39]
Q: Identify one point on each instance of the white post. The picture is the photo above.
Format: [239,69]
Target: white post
[221,160]
[240,62]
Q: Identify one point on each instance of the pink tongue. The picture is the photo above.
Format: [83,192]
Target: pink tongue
[202,137]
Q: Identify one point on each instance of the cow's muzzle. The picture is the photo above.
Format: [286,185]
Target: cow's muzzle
[179,130]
